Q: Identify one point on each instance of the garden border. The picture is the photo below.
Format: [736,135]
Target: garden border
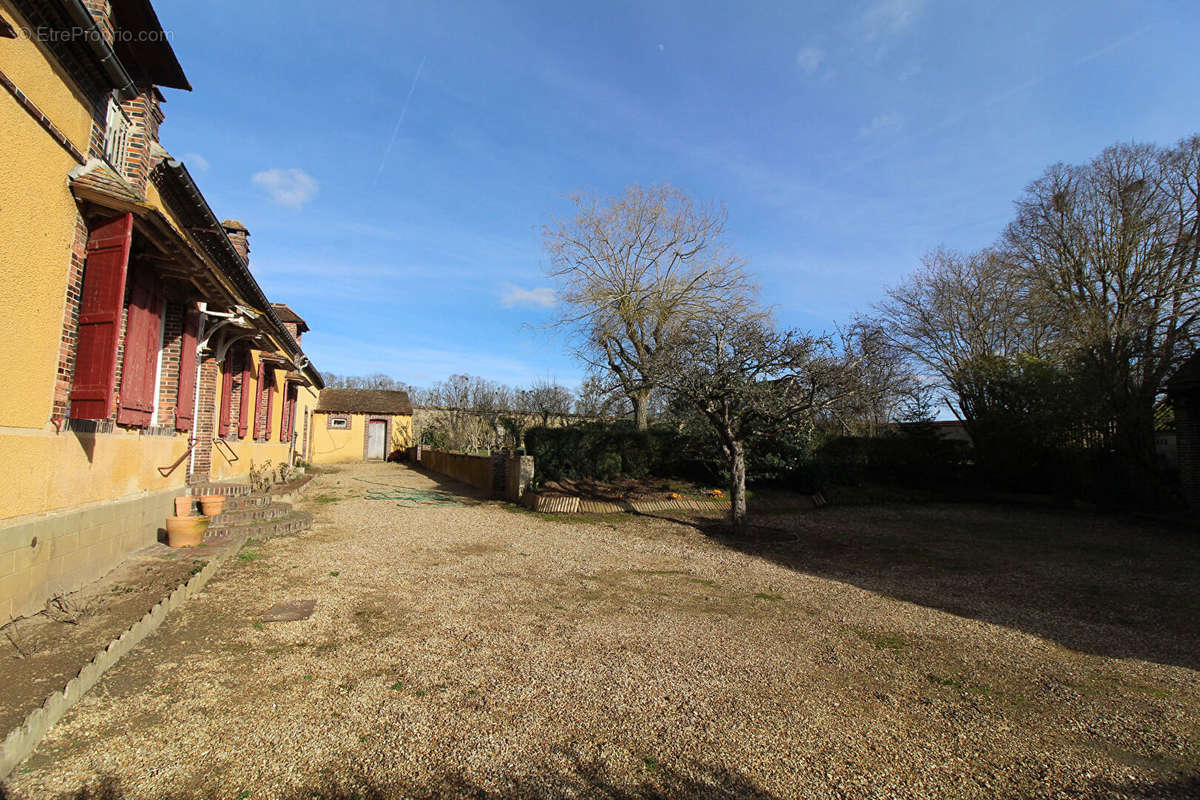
[24,739]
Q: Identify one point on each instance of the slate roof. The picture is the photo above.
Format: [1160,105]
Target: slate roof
[364,401]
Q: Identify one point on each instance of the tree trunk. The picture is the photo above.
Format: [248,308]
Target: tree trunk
[641,408]
[737,488]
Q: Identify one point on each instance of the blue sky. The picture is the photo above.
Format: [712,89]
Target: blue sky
[395,162]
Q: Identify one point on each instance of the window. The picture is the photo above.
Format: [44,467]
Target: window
[339,423]
[116,135]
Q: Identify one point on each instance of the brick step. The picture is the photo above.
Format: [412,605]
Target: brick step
[255,513]
[293,522]
[227,489]
[247,501]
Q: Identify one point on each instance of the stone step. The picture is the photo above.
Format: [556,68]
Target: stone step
[251,513]
[293,522]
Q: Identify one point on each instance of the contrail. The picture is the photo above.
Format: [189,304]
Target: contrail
[399,122]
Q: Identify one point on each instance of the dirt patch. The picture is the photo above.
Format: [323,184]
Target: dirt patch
[41,653]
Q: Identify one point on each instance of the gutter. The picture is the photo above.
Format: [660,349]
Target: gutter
[102,50]
[241,270]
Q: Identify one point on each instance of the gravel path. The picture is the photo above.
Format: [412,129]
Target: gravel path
[460,648]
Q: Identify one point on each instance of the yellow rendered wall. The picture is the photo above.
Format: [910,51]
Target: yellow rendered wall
[43,471]
[339,446]
[35,74]
[37,231]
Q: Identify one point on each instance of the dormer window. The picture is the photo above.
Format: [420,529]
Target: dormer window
[116,136]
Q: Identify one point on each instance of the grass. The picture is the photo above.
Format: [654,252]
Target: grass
[881,641]
[326,498]
[774,598]
[945,680]
[248,556]
[258,626]
[397,686]
[334,574]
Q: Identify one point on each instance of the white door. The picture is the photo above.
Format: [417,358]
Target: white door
[376,439]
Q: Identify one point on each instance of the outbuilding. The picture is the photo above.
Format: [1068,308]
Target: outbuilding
[360,425]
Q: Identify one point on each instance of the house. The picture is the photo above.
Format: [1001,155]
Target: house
[361,424]
[141,357]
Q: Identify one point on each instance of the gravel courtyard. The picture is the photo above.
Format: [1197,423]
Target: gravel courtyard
[463,648]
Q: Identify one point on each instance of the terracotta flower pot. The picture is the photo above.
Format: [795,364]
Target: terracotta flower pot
[186,531]
[183,506]
[211,504]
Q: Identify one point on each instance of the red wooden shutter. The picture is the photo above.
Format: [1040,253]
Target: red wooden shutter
[185,399]
[100,318]
[139,368]
[244,406]
[258,401]
[270,401]
[226,394]
[289,414]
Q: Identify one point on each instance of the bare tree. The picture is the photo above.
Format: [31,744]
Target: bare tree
[1112,250]
[601,396]
[955,310]
[631,272]
[887,387]
[548,399]
[749,379]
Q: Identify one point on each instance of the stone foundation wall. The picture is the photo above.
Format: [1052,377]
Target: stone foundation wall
[59,553]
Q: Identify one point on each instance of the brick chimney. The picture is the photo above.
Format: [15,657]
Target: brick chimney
[239,234]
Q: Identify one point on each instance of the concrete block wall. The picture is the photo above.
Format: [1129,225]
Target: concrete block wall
[60,553]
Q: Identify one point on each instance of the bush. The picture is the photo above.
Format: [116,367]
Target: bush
[603,451]
[916,457]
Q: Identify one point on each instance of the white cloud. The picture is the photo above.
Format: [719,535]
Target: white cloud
[881,125]
[885,19]
[516,297]
[809,59]
[196,161]
[291,188]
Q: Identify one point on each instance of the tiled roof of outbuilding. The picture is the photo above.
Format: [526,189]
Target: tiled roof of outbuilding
[364,401]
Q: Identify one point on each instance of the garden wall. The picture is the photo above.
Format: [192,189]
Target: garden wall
[500,474]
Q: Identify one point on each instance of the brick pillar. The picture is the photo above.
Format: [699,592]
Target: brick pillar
[65,373]
[205,421]
[168,385]
[101,11]
[146,116]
